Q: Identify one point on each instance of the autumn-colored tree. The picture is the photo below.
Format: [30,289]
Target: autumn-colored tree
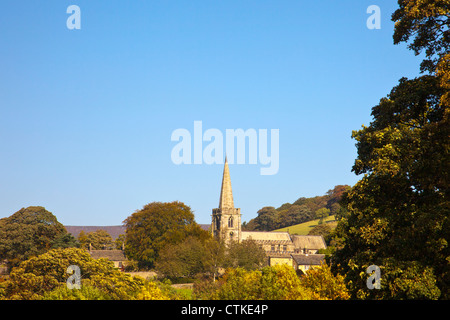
[151,291]
[157,225]
[425,24]
[120,242]
[28,232]
[324,285]
[41,274]
[86,292]
[398,213]
[271,283]
[96,240]
[83,240]
[443,74]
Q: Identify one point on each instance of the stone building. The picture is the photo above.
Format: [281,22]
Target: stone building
[116,256]
[280,247]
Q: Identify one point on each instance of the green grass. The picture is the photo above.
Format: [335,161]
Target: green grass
[304,228]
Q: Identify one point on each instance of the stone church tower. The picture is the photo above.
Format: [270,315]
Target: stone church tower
[226,220]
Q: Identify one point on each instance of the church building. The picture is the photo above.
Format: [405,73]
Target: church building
[280,247]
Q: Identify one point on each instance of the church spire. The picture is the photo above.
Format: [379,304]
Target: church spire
[226,194]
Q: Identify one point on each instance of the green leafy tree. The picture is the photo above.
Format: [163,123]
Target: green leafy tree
[398,213]
[28,232]
[267,219]
[215,256]
[98,240]
[246,254]
[295,214]
[323,230]
[65,240]
[321,214]
[157,225]
[182,260]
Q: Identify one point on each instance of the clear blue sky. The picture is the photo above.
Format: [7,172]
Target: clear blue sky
[86,115]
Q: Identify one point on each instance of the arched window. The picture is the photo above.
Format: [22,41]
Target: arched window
[230,222]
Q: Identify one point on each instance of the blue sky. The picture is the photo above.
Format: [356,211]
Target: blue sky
[86,116]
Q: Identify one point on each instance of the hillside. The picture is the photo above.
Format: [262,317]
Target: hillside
[301,211]
[305,227]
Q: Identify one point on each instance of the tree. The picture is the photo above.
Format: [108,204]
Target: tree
[271,283]
[65,240]
[120,242]
[321,214]
[41,274]
[215,256]
[182,260]
[295,214]
[246,254]
[266,219]
[83,240]
[157,225]
[324,285]
[321,230]
[427,23]
[398,213]
[97,240]
[28,232]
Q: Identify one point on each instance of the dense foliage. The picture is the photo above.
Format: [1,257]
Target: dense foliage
[278,282]
[302,210]
[96,240]
[158,225]
[30,231]
[398,213]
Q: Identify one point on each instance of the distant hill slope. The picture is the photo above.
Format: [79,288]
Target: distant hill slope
[298,212]
[305,227]
[114,231]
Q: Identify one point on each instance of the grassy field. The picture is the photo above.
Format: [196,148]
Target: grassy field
[304,228]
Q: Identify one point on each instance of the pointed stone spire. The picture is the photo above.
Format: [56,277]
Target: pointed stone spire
[226,194]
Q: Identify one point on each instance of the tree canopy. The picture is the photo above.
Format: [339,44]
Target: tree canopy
[96,240]
[157,225]
[302,210]
[30,231]
[398,213]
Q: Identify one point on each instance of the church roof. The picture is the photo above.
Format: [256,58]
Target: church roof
[308,242]
[266,236]
[226,194]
